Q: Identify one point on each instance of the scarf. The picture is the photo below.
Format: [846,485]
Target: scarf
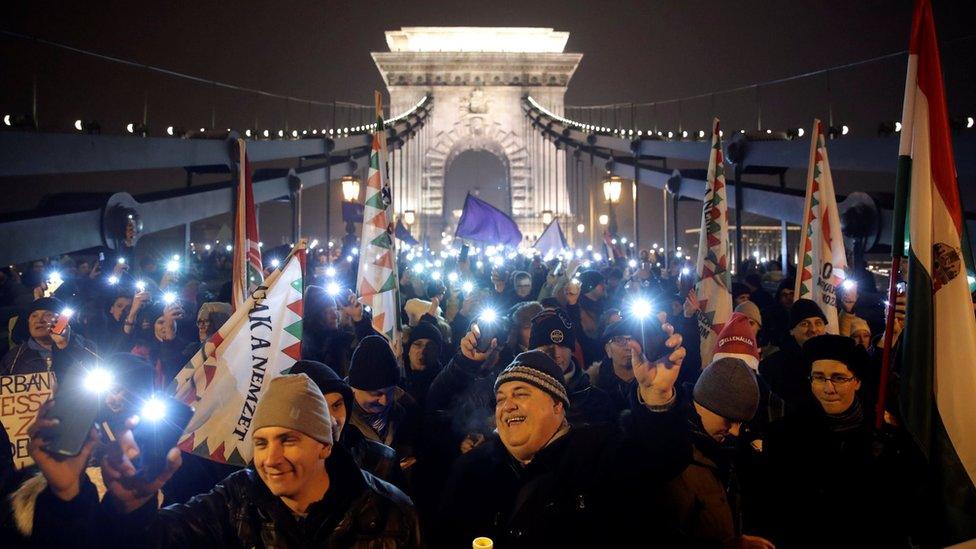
[848,420]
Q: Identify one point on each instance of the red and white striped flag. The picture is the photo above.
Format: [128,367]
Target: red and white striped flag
[247,267]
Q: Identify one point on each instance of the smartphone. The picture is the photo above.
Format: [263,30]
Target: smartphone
[76,408]
[101,257]
[489,329]
[61,324]
[157,434]
[464,253]
[653,339]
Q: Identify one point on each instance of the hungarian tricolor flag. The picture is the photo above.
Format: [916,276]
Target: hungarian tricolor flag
[376,283]
[822,263]
[260,341]
[938,368]
[247,272]
[714,278]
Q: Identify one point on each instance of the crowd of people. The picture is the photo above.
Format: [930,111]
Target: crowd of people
[535,401]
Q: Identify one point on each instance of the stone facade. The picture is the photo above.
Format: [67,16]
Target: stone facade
[478,106]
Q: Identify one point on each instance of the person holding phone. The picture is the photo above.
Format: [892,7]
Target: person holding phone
[43,349]
[303,491]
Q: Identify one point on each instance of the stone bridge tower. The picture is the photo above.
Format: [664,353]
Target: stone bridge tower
[477,77]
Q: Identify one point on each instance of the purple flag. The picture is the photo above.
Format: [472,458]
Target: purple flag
[403,234]
[483,222]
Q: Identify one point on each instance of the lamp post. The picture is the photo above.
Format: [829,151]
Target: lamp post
[611,192]
[350,194]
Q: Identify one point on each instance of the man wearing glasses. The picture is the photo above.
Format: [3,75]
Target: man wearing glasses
[785,371]
[826,458]
[614,375]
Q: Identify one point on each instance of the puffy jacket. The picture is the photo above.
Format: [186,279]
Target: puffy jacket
[358,511]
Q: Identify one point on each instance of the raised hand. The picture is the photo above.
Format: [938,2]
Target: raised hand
[63,474]
[691,305]
[656,380]
[130,490]
[469,346]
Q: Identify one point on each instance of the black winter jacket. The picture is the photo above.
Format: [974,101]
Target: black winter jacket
[358,511]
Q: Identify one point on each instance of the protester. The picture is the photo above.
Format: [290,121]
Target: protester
[552,333]
[383,411]
[863,477]
[369,455]
[43,350]
[322,338]
[784,370]
[303,490]
[422,360]
[541,482]
[776,317]
[614,375]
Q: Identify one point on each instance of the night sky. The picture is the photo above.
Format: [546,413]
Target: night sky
[633,51]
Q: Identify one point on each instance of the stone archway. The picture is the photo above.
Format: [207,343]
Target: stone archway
[475,133]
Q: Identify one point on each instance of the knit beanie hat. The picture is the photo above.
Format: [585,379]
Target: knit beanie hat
[294,402]
[728,388]
[589,280]
[373,365]
[426,330]
[803,309]
[836,347]
[52,304]
[738,289]
[552,327]
[538,370]
[736,341]
[324,378]
[750,309]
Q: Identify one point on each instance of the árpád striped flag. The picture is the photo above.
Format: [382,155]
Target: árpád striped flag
[247,269]
[938,368]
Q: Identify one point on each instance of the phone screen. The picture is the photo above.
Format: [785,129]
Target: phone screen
[76,408]
[157,435]
[464,253]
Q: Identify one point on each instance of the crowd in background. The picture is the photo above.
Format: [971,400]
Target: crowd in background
[533,400]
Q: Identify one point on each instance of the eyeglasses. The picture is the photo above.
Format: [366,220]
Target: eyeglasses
[621,340]
[820,379]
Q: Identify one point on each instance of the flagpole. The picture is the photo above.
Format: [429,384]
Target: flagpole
[902,186]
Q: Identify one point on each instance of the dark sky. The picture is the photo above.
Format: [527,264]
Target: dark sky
[633,51]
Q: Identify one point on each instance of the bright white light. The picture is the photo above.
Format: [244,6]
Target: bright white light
[623,240]
[971,279]
[848,284]
[587,264]
[436,275]
[498,260]
[169,298]
[113,280]
[153,410]
[330,272]
[581,228]
[207,247]
[266,133]
[437,263]
[597,257]
[467,287]
[141,285]
[641,308]
[78,125]
[333,288]
[755,254]
[632,263]
[800,132]
[315,243]
[229,247]
[67,312]
[589,248]
[685,271]
[844,130]
[701,134]
[418,268]
[55,278]
[579,253]
[355,251]
[970,122]
[452,277]
[479,264]
[677,254]
[488,316]
[348,259]
[173,265]
[6,120]
[98,380]
[130,127]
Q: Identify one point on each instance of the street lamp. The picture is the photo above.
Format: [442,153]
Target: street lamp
[604,219]
[581,228]
[546,217]
[611,192]
[350,188]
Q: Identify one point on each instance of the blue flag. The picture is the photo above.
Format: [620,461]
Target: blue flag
[403,234]
[482,222]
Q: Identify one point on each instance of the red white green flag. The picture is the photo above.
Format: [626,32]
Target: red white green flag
[714,278]
[247,271]
[938,368]
[260,341]
[822,263]
[376,283]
